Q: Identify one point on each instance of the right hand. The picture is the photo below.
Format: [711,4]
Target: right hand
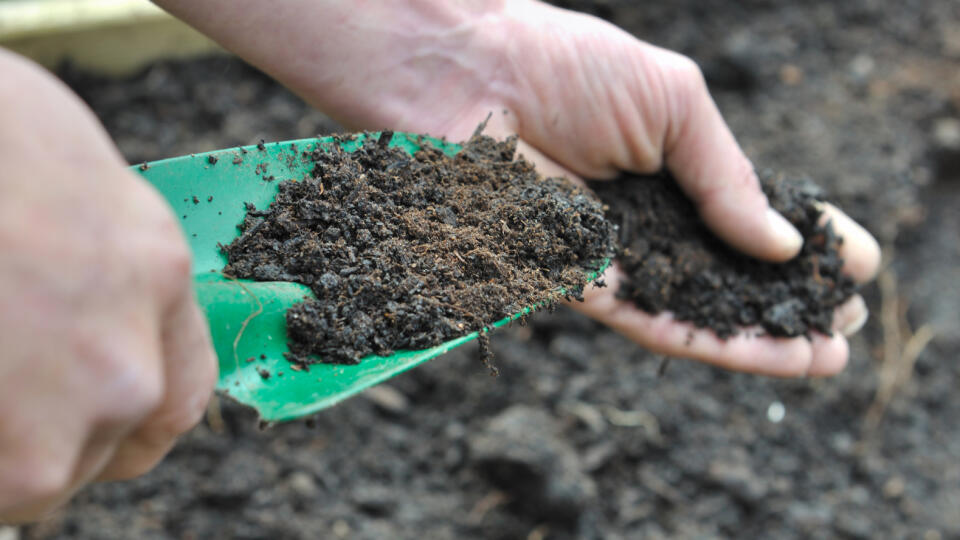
[106,357]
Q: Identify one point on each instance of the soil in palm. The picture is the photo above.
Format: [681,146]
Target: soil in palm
[674,263]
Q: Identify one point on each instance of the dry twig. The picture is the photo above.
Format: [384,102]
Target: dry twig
[902,347]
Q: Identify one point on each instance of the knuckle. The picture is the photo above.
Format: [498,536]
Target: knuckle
[190,411]
[139,389]
[177,260]
[687,73]
[741,190]
[689,69]
[176,417]
[745,181]
[123,376]
[168,425]
[145,394]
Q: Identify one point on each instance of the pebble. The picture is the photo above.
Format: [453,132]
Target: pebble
[388,399]
[854,524]
[862,66]
[809,516]
[303,484]
[599,455]
[341,529]
[894,487]
[791,75]
[739,479]
[238,477]
[775,412]
[374,499]
[946,133]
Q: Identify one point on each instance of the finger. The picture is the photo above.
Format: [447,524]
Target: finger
[190,371]
[860,251]
[850,317]
[85,465]
[33,484]
[545,166]
[830,354]
[711,168]
[748,351]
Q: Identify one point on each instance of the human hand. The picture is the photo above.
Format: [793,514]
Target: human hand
[106,357]
[585,98]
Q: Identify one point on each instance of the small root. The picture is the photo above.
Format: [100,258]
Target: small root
[486,353]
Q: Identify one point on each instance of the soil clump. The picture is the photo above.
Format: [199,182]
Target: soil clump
[405,252]
[674,263]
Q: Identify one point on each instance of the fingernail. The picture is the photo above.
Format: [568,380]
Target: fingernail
[786,235]
[855,325]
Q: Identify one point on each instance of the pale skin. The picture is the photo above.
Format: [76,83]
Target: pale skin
[107,358]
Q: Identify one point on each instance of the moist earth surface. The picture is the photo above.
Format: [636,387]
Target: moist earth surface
[580,437]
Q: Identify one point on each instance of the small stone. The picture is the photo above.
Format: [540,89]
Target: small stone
[373,499]
[842,443]
[893,488]
[598,455]
[950,37]
[791,75]
[739,479]
[303,484]
[946,133]
[239,476]
[809,517]
[775,412]
[854,524]
[341,529]
[388,399]
[861,66]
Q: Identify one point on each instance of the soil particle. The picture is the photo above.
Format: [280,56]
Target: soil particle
[674,263]
[521,452]
[405,252]
[373,500]
[238,477]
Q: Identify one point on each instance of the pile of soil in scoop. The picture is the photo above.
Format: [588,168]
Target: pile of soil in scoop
[405,252]
[674,263]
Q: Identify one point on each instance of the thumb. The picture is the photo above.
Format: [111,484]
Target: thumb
[710,167]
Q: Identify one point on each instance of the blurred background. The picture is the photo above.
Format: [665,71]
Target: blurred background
[583,435]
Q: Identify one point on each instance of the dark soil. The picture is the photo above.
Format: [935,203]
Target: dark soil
[674,263]
[579,425]
[404,253]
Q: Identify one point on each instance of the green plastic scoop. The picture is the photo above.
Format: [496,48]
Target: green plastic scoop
[247,321]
